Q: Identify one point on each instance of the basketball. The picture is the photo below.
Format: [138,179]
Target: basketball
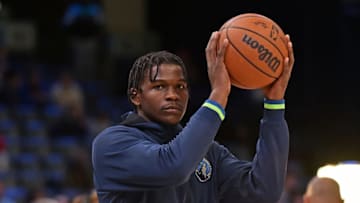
[256,52]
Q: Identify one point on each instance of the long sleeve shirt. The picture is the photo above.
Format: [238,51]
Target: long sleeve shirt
[145,162]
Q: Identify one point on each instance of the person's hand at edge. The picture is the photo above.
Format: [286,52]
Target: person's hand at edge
[217,72]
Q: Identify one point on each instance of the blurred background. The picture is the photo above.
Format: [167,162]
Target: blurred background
[65,65]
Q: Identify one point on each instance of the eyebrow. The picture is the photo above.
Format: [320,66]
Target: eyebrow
[160,80]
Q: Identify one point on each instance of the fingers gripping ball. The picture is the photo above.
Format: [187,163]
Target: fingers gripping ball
[256,52]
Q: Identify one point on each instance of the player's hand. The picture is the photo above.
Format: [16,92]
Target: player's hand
[217,72]
[277,89]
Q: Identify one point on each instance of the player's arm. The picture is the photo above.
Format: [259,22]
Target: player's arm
[125,159]
[262,179]
[276,91]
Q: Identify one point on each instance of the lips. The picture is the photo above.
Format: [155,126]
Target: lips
[172,108]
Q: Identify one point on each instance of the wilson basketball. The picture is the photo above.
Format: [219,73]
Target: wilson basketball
[256,52]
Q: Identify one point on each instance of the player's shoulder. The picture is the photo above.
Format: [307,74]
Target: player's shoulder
[117,132]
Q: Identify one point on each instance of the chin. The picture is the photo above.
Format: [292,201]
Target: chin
[171,120]
[175,122]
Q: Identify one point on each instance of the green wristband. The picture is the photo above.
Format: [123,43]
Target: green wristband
[274,104]
[215,107]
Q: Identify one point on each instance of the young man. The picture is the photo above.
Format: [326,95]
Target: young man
[322,190]
[149,157]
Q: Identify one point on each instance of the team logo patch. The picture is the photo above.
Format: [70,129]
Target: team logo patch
[203,171]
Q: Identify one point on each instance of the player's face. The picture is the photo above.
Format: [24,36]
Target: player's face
[165,99]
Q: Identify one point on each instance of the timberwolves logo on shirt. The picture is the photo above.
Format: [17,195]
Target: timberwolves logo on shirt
[203,171]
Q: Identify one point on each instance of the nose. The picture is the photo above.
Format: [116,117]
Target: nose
[172,94]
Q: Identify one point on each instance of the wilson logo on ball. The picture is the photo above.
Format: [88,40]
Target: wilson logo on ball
[264,54]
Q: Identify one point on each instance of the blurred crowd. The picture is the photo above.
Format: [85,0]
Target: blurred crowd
[50,112]
[46,129]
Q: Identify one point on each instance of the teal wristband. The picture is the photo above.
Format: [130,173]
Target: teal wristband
[274,104]
[215,107]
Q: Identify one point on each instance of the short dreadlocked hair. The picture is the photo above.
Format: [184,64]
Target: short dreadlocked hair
[145,63]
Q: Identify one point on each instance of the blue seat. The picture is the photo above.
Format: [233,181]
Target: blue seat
[71,192]
[25,160]
[52,111]
[30,178]
[26,111]
[12,143]
[55,176]
[54,160]
[35,127]
[38,144]
[65,143]
[4,111]
[8,127]
[16,193]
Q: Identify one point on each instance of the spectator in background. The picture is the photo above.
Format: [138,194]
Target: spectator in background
[67,93]
[322,190]
[83,21]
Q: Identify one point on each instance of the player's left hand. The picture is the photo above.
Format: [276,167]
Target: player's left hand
[277,89]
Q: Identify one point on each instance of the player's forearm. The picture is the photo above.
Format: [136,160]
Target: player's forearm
[220,96]
[272,153]
[193,142]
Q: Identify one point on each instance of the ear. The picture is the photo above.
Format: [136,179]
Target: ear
[134,96]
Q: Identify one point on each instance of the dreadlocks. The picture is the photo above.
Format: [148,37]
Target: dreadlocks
[145,63]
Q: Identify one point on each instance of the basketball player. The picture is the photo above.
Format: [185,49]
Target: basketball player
[149,157]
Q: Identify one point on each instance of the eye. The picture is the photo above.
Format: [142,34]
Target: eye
[159,87]
[182,86]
